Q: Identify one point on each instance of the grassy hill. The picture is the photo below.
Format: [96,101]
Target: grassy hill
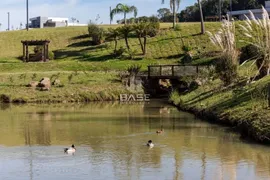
[73,49]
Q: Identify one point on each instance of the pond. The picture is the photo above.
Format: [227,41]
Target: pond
[110,141]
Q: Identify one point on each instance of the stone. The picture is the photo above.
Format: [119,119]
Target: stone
[32,84]
[195,84]
[56,82]
[44,84]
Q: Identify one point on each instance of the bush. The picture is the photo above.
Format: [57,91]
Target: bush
[248,52]
[153,19]
[134,69]
[97,33]
[51,55]
[119,52]
[154,29]
[226,68]
[177,27]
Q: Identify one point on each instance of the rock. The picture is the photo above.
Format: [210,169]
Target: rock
[44,84]
[32,84]
[195,84]
[56,82]
[4,98]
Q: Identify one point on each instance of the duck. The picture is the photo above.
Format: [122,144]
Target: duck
[71,149]
[150,144]
[160,131]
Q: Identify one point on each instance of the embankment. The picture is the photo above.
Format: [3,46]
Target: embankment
[243,107]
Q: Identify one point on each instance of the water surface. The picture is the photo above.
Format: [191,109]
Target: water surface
[110,139]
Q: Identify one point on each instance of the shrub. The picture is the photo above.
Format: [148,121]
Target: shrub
[248,52]
[153,19]
[119,52]
[226,66]
[51,55]
[177,27]
[134,69]
[257,32]
[97,33]
[154,29]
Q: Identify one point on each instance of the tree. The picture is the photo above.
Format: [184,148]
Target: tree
[115,35]
[123,9]
[145,30]
[0,25]
[174,4]
[125,31]
[201,15]
[163,12]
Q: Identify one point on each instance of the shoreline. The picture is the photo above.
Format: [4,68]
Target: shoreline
[246,130]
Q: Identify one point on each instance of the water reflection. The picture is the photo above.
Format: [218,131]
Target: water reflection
[112,136]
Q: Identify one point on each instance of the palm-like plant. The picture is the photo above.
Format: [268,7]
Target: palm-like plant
[123,9]
[115,35]
[125,31]
[174,5]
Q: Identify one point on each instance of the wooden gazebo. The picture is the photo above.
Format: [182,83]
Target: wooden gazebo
[42,43]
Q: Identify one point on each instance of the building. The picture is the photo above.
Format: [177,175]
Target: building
[43,22]
[240,15]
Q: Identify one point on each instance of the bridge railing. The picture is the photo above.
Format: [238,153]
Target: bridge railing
[173,71]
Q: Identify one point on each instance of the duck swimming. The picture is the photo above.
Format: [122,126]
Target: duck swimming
[72,149]
[150,144]
[160,131]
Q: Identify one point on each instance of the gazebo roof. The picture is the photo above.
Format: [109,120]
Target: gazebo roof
[35,42]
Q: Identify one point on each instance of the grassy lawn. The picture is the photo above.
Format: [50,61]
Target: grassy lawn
[77,86]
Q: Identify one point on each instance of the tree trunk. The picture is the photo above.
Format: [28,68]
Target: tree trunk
[115,45]
[125,18]
[144,49]
[202,21]
[139,37]
[174,14]
[126,39]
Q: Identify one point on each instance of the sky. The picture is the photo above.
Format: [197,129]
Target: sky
[82,10]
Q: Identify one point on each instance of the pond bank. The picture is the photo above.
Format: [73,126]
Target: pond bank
[72,87]
[244,109]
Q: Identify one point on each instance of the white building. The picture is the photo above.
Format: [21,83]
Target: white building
[43,22]
[257,12]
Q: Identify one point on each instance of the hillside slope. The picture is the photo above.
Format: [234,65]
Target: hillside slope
[73,42]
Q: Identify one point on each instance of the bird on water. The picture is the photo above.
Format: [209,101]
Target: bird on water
[71,149]
[150,144]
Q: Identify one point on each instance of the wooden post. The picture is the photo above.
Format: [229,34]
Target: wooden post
[23,52]
[27,53]
[47,51]
[268,95]
[44,53]
[173,71]
[160,70]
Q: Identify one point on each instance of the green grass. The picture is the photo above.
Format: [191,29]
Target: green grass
[72,44]
[81,87]
[74,52]
[243,105]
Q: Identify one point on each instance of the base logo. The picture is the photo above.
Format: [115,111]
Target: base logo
[134,98]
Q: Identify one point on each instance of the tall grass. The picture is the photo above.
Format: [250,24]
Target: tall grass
[225,40]
[257,32]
